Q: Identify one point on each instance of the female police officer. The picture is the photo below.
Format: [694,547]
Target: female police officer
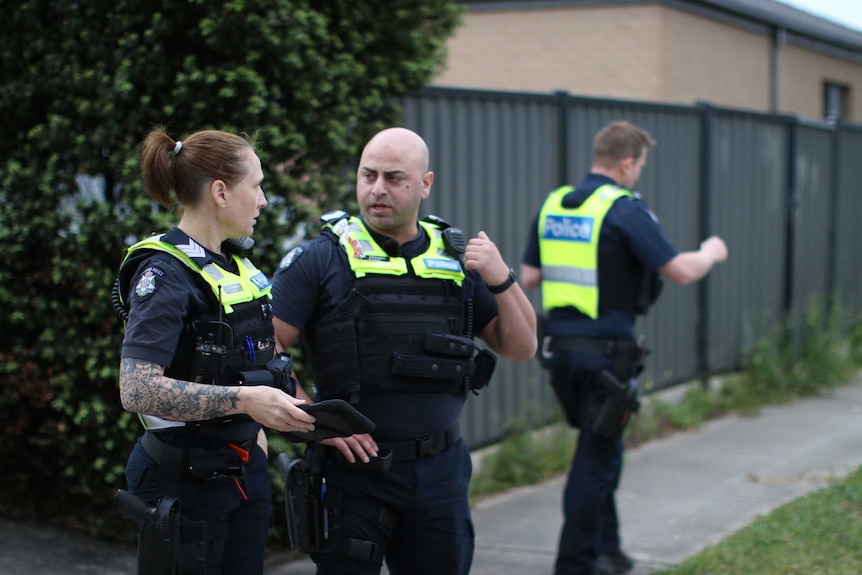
[198,323]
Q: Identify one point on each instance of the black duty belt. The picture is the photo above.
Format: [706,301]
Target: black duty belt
[622,349]
[225,461]
[420,447]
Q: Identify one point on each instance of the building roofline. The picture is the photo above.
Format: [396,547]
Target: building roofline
[765,15]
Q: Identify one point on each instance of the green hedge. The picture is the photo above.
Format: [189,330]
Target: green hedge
[81,84]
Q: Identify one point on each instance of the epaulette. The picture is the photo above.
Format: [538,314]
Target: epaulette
[437,221]
[334,216]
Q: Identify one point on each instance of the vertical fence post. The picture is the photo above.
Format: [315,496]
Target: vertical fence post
[707,114]
[831,271]
[790,222]
[562,137]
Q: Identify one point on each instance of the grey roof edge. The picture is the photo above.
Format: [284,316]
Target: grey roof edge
[793,20]
[767,13]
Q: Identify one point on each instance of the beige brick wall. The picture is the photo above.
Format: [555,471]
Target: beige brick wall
[802,75]
[707,60]
[640,52]
[607,52]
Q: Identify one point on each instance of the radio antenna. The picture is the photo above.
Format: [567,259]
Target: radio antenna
[220,316]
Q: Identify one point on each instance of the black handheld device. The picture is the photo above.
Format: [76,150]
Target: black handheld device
[334,418]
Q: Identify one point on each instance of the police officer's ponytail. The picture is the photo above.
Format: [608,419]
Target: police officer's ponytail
[156,170]
[179,171]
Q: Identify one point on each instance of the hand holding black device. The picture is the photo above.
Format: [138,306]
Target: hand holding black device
[334,418]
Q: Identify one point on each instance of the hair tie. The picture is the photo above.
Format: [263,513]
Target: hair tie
[178,147]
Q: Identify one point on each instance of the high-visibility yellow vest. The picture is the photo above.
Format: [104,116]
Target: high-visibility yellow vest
[569,248]
[229,288]
[241,295]
[376,340]
[366,257]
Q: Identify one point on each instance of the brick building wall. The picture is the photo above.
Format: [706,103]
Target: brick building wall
[708,60]
[648,52]
[605,52]
[802,74]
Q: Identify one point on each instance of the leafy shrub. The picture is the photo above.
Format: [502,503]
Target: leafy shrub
[80,86]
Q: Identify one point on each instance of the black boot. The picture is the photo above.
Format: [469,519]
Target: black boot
[614,564]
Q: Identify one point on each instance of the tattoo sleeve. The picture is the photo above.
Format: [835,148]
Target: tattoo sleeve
[145,389]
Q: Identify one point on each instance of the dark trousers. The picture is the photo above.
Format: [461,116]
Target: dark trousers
[590,525]
[218,501]
[434,530]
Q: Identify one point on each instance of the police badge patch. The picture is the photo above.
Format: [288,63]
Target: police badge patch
[290,257]
[148,282]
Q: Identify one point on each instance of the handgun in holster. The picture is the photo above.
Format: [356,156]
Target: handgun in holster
[158,535]
[610,407]
[313,513]
[168,544]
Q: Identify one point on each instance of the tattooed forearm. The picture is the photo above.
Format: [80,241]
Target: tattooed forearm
[145,389]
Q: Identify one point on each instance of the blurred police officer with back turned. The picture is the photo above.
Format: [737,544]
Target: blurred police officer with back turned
[599,255]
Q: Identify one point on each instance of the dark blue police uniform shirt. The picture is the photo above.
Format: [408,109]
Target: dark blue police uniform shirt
[630,231]
[163,294]
[315,277]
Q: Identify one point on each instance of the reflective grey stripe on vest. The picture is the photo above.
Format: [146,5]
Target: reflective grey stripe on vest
[570,275]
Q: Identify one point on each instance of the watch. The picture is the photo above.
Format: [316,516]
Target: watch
[513,277]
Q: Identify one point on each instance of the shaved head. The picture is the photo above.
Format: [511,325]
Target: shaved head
[392,180]
[408,144]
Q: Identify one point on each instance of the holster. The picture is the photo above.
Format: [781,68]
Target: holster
[297,494]
[281,366]
[159,533]
[486,363]
[277,373]
[168,544]
[610,405]
[313,513]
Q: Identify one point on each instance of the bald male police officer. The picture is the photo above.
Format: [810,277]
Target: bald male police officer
[388,306]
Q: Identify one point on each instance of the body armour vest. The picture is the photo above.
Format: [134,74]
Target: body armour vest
[236,336]
[569,248]
[401,328]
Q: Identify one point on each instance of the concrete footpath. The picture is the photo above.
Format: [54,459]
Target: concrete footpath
[677,495]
